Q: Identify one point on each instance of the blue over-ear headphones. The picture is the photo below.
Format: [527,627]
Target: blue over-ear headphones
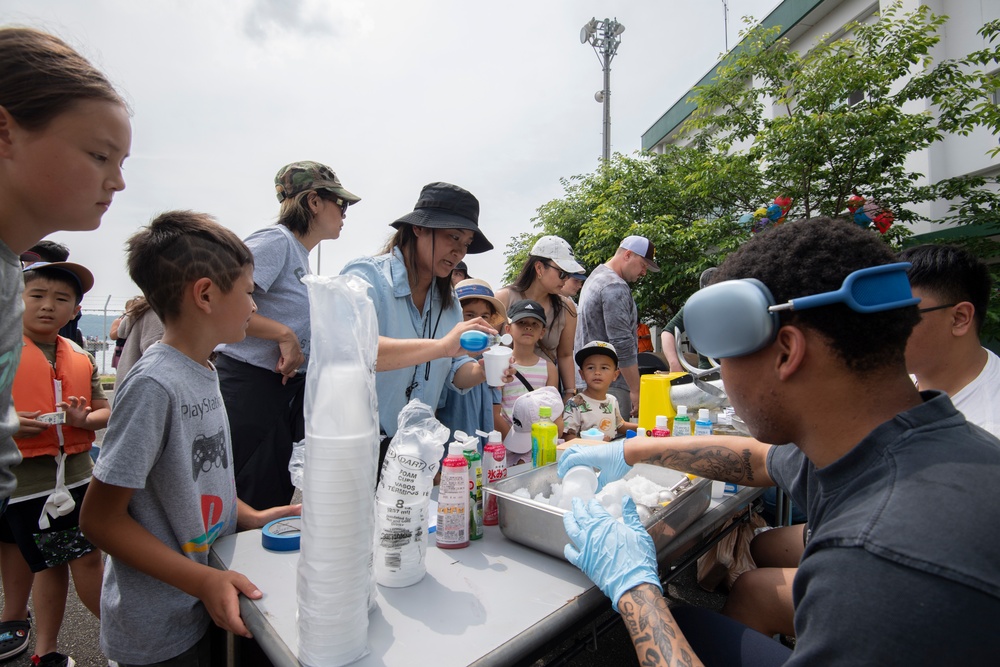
[738,317]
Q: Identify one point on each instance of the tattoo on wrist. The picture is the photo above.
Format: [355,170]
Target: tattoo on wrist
[652,628]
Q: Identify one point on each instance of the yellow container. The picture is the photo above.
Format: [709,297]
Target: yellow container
[654,398]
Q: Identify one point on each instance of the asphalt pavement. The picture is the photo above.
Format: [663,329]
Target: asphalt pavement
[79,637]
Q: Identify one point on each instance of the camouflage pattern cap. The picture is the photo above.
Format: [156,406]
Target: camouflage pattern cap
[301,176]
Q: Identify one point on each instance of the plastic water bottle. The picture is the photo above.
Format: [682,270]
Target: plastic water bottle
[543,438]
[682,423]
[660,430]
[703,425]
[477,341]
[453,500]
[475,461]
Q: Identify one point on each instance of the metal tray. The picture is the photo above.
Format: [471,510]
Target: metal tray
[540,526]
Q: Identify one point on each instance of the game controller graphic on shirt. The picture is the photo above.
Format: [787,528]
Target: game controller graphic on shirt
[209,451]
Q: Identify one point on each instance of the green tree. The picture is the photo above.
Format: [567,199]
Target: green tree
[681,200]
[820,126]
[843,117]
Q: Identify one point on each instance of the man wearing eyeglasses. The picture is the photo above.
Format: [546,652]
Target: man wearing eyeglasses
[944,351]
[810,322]
[607,312]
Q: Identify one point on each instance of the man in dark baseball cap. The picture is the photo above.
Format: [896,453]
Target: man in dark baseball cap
[642,247]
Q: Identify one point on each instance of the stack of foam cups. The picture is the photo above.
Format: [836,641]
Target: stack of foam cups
[335,566]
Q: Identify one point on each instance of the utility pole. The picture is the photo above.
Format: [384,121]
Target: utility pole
[604,36]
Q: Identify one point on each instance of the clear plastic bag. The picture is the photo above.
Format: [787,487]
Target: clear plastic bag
[730,557]
[335,580]
[402,498]
[297,462]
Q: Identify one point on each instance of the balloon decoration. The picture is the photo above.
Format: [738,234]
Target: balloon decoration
[765,216]
[868,212]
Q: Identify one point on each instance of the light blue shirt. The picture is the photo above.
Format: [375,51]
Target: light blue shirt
[279,262]
[399,318]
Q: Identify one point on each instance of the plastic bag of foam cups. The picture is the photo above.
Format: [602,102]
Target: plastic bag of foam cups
[401,501]
[334,576]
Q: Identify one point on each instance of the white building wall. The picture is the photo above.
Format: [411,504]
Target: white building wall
[955,155]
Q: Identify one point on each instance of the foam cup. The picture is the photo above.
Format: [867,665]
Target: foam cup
[496,360]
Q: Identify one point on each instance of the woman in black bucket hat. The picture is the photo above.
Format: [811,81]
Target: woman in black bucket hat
[419,316]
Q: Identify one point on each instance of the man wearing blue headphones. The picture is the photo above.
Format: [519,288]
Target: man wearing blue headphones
[810,322]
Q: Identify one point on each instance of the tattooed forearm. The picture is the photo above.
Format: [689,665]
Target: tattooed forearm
[724,458]
[711,462]
[654,632]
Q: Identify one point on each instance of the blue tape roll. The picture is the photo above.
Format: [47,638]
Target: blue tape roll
[282,534]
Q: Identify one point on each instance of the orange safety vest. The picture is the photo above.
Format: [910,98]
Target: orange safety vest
[34,389]
[645,338]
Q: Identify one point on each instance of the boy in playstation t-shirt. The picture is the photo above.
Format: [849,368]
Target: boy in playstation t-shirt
[163,489]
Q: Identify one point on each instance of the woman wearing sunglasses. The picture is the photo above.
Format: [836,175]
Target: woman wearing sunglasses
[263,377]
[549,264]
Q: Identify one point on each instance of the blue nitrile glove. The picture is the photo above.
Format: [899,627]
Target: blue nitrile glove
[610,458]
[616,556]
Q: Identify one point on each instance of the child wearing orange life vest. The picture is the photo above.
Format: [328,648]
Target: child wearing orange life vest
[60,404]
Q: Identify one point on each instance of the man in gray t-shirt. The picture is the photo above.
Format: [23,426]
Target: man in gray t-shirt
[607,312]
[169,440]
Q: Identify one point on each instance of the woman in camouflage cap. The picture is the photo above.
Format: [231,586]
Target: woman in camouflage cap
[263,377]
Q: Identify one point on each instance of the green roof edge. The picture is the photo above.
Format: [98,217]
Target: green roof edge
[953,233]
[787,15]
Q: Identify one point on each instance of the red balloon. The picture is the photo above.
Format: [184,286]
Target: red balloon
[883,220]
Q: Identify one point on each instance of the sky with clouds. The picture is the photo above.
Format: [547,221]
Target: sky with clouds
[496,97]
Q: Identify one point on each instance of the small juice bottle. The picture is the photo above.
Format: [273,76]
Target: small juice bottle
[682,423]
[495,469]
[471,453]
[703,425]
[453,500]
[660,430]
[543,438]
